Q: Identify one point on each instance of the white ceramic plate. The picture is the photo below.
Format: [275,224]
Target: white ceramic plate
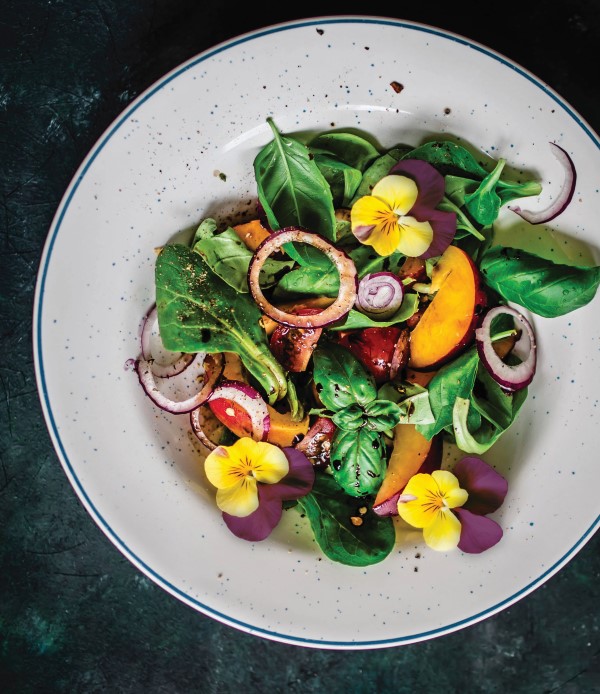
[154,173]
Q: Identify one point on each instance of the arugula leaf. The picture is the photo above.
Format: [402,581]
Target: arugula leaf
[484,202]
[340,379]
[541,286]
[330,513]
[228,256]
[358,460]
[199,312]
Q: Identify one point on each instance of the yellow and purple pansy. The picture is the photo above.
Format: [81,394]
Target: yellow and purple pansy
[253,479]
[400,213]
[452,507]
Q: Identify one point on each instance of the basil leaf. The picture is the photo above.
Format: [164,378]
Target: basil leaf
[293,192]
[199,312]
[381,415]
[349,418]
[330,516]
[355,319]
[358,461]
[340,379]
[228,256]
[541,286]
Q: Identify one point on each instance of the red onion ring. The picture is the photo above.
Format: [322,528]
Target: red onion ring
[508,377]
[379,294]
[246,398]
[197,428]
[213,368]
[344,265]
[562,199]
[181,360]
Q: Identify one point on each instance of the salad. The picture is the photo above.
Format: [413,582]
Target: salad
[359,324]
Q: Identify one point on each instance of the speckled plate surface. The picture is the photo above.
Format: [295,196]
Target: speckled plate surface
[183,151]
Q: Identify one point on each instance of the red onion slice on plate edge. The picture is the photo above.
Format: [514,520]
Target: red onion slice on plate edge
[562,199]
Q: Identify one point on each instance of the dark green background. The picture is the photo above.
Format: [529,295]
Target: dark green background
[75,615]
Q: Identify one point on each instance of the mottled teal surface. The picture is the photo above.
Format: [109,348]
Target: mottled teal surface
[75,615]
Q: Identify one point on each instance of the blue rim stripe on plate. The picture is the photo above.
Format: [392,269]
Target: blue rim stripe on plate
[38,308]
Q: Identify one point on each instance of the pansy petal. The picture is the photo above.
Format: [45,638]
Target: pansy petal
[240,500]
[368,212]
[449,488]
[478,533]
[415,237]
[444,533]
[444,231]
[222,469]
[430,182]
[269,464]
[422,510]
[487,488]
[398,192]
[299,480]
[258,525]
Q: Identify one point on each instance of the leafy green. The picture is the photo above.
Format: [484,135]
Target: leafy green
[355,319]
[545,288]
[330,515]
[484,202]
[411,400]
[229,257]
[293,192]
[308,280]
[342,178]
[469,405]
[199,312]
[340,378]
[349,148]
[357,461]
[379,168]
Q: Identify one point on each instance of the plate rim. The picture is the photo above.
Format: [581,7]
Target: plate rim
[37,338]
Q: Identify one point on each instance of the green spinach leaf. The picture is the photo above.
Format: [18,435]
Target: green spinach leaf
[330,516]
[342,178]
[349,148]
[199,312]
[545,288]
[229,258]
[379,168]
[355,319]
[293,192]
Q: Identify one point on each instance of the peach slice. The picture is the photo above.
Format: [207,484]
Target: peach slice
[412,453]
[449,322]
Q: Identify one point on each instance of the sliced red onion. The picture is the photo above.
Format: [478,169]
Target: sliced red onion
[562,199]
[344,265]
[509,377]
[241,408]
[379,294]
[198,428]
[163,362]
[213,366]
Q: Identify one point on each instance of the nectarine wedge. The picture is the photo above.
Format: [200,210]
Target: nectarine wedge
[449,322]
[412,453]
